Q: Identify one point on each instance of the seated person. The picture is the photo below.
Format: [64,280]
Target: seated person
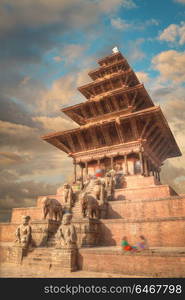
[142,244]
[126,246]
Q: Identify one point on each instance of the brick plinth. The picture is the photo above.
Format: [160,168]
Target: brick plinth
[142,193]
[137,181]
[165,263]
[145,209]
[159,231]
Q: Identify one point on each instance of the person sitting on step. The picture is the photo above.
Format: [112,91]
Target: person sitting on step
[142,244]
[126,246]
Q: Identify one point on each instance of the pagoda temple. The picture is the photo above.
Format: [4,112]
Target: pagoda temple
[123,138]
[120,127]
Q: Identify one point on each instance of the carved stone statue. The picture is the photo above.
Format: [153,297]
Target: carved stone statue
[52,207]
[23,233]
[90,206]
[66,234]
[68,195]
[89,199]
[109,186]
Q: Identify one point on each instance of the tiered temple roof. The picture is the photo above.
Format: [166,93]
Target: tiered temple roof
[117,118]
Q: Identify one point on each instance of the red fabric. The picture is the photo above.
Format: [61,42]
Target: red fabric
[127,248]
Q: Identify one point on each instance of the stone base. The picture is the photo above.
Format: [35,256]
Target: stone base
[42,230]
[137,181]
[88,232]
[12,253]
[154,263]
[64,259]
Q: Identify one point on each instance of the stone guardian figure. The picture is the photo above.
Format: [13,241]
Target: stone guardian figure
[66,234]
[23,233]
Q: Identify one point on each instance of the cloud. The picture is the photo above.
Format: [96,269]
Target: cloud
[108,6]
[14,112]
[120,24]
[135,53]
[72,52]
[57,58]
[180,1]
[55,123]
[9,158]
[170,64]
[174,34]
[123,25]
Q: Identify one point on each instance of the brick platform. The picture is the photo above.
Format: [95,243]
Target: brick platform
[156,263]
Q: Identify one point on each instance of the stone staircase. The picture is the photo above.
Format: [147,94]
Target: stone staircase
[40,257]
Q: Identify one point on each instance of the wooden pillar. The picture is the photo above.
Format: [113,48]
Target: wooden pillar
[126,164]
[153,173]
[159,175]
[148,167]
[86,169]
[112,162]
[145,167]
[74,163]
[141,162]
[82,180]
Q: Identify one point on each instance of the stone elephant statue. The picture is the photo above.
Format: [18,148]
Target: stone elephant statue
[90,206]
[52,207]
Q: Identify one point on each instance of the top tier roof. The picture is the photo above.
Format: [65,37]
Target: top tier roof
[107,60]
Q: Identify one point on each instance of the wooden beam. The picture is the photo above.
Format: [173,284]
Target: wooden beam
[156,133]
[156,142]
[127,99]
[100,109]
[134,128]
[70,142]
[116,103]
[78,117]
[139,102]
[59,144]
[83,111]
[145,127]
[108,104]
[159,145]
[94,137]
[81,141]
[134,98]
[150,130]
[106,135]
[163,156]
[92,110]
[119,131]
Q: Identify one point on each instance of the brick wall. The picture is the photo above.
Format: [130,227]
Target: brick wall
[7,232]
[159,232]
[148,192]
[172,207]
[132,264]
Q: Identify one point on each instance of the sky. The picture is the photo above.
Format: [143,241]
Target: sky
[46,50]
